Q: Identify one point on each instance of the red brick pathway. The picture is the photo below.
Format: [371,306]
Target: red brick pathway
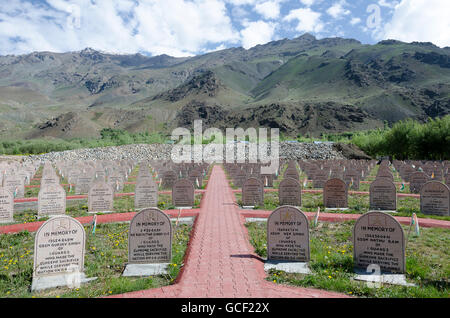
[220,261]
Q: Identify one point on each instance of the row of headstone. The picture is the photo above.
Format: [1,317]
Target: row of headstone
[378,238]
[59,249]
[351,171]
[52,198]
[168,175]
[239,173]
[84,174]
[436,171]
[434,196]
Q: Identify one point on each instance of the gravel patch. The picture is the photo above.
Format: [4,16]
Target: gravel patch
[140,152]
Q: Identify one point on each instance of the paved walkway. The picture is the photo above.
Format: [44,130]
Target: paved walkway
[220,261]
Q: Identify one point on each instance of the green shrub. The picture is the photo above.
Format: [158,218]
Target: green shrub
[109,137]
[409,139]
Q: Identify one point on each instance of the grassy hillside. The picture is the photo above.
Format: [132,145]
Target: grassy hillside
[330,85]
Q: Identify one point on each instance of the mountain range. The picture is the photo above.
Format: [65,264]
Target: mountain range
[302,85]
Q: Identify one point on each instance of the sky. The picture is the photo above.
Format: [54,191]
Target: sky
[192,27]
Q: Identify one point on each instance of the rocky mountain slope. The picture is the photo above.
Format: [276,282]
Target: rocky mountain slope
[300,85]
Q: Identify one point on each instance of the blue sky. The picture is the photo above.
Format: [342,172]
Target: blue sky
[191,27]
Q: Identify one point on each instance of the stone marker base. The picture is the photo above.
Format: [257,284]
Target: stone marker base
[145,269]
[50,216]
[287,266]
[385,211]
[183,208]
[185,220]
[63,280]
[248,207]
[248,220]
[383,278]
[105,212]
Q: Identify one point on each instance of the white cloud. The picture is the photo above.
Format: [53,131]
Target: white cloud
[175,27]
[385,3]
[420,20]
[258,32]
[308,2]
[268,9]
[355,21]
[241,2]
[337,10]
[308,20]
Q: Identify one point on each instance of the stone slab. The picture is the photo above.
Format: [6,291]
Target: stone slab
[102,212]
[384,278]
[288,267]
[145,269]
[46,282]
[49,216]
[336,209]
[386,211]
[249,220]
[184,220]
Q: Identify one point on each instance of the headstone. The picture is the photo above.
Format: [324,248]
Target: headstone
[146,194]
[383,195]
[291,173]
[144,172]
[73,175]
[6,206]
[100,198]
[196,177]
[84,182]
[240,178]
[335,194]
[417,180]
[51,200]
[168,179]
[351,179]
[116,181]
[25,175]
[288,235]
[59,254]
[16,185]
[149,243]
[320,178]
[183,193]
[49,178]
[378,239]
[99,173]
[407,172]
[290,192]
[252,193]
[384,172]
[435,198]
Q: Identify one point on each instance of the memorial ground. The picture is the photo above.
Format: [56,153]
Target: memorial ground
[221,262]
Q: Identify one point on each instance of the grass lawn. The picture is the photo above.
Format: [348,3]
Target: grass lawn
[427,262]
[105,258]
